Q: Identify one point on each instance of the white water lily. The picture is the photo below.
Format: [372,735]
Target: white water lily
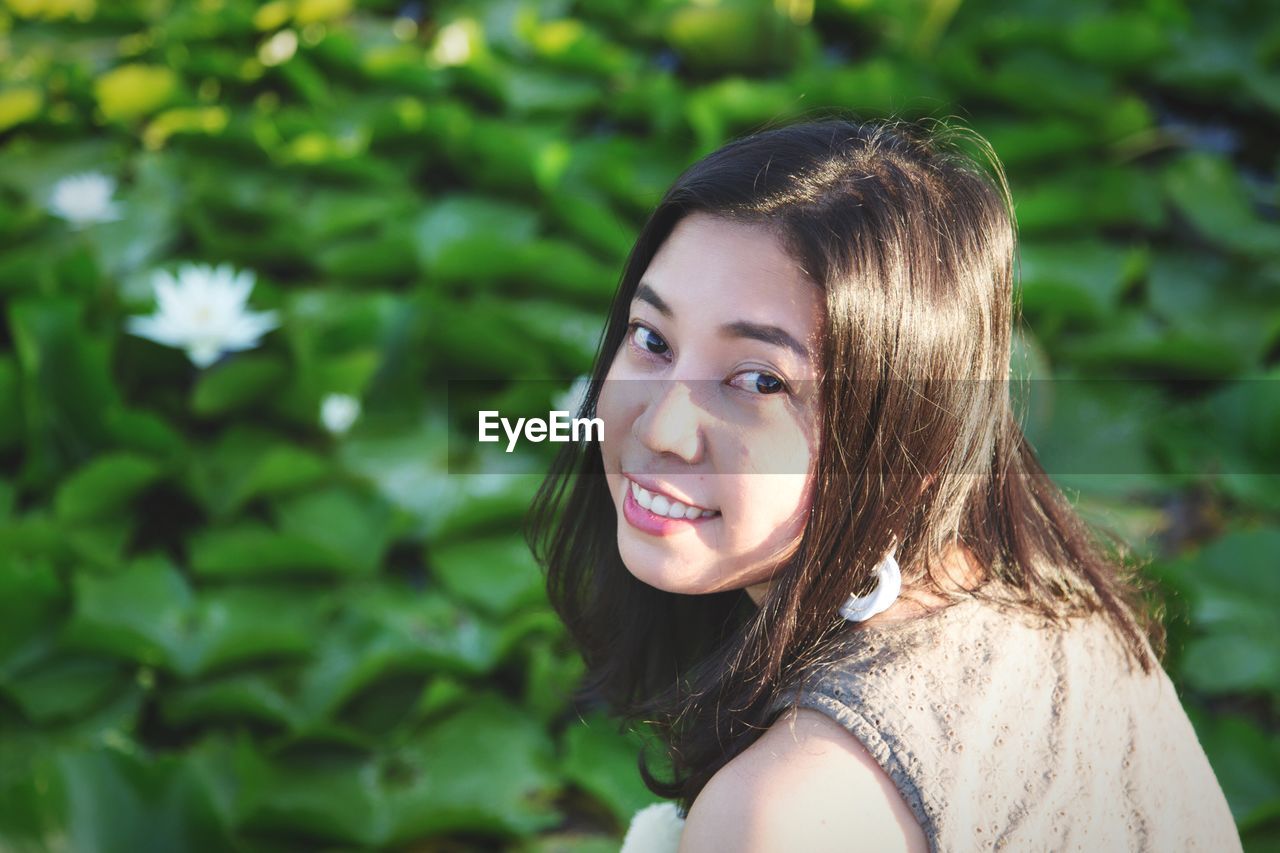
[203,312]
[654,829]
[85,199]
[338,412]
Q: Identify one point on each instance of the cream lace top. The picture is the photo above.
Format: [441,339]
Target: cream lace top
[1004,732]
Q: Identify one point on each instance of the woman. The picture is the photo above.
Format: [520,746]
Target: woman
[813,547]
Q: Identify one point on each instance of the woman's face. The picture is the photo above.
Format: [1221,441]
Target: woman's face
[710,410]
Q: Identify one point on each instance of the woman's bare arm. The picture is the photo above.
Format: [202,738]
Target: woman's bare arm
[806,784]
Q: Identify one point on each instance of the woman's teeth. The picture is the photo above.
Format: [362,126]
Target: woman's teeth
[662,505]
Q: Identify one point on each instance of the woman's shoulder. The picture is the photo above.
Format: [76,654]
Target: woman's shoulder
[806,783]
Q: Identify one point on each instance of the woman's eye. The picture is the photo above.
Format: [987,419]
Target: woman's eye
[645,339]
[765,383]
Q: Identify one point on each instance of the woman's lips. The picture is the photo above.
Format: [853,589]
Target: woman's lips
[654,490]
[650,522]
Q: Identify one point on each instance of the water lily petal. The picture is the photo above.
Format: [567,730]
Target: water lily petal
[240,288]
[204,353]
[157,329]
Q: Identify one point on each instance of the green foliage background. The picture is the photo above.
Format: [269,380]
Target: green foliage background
[224,627]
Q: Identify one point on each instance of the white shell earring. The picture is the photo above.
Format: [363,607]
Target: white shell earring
[859,608]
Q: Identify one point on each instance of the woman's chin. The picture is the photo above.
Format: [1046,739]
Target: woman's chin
[667,579]
[679,580]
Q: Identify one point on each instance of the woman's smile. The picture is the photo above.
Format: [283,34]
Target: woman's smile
[654,513]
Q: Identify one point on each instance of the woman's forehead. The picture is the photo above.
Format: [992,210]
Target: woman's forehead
[713,271]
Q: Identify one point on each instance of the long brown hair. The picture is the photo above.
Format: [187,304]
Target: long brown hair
[912,240]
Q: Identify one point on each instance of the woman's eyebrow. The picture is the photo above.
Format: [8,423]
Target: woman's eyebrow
[645,293]
[775,335]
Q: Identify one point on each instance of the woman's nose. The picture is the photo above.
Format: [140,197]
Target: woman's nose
[670,421]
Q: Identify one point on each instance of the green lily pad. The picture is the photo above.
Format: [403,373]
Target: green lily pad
[389,631]
[237,697]
[356,528]
[105,485]
[139,613]
[447,780]
[32,599]
[459,234]
[64,686]
[496,574]
[236,383]
[603,762]
[1207,191]
[123,800]
[253,549]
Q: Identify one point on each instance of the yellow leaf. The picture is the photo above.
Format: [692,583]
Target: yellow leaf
[555,37]
[52,10]
[271,15]
[208,120]
[19,105]
[309,11]
[134,90]
[311,147]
